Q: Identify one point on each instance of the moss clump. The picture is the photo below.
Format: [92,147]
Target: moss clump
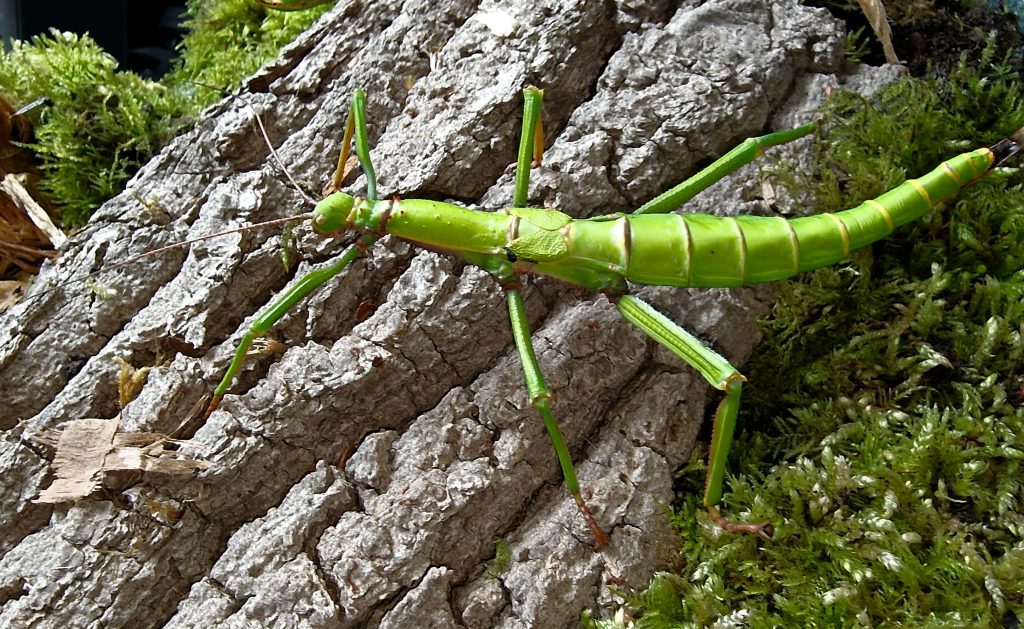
[100,124]
[228,40]
[890,393]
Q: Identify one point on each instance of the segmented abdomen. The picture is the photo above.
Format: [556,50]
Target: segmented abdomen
[705,250]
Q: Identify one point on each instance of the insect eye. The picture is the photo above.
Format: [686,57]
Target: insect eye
[319,223]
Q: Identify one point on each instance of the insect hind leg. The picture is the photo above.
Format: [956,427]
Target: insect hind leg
[722,376]
[748,150]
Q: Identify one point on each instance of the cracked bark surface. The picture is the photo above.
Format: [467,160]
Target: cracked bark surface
[361,478]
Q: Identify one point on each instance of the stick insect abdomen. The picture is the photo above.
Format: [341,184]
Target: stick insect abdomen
[712,251]
[829,238]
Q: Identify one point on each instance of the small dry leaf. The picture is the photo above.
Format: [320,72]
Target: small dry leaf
[266,346]
[345,169]
[12,186]
[23,243]
[89,449]
[768,192]
[10,292]
[129,381]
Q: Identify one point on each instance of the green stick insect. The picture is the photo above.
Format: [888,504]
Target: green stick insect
[604,254]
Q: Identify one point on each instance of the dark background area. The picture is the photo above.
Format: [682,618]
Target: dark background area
[141,35]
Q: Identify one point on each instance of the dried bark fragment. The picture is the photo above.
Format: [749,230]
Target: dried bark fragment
[88,450]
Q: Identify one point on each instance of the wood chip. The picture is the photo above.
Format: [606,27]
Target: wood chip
[89,449]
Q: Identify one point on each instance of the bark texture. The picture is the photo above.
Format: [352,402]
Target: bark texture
[361,477]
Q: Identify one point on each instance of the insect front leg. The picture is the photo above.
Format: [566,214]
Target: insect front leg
[722,376]
[355,127]
[273,313]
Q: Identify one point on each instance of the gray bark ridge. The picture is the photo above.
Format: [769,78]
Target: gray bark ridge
[361,478]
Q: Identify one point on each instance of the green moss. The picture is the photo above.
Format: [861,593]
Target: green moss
[884,428]
[229,40]
[502,559]
[101,124]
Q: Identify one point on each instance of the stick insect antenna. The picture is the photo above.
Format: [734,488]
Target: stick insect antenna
[277,158]
[184,243]
[145,254]
[266,138]
[253,226]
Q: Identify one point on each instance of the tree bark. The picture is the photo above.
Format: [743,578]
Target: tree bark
[361,477]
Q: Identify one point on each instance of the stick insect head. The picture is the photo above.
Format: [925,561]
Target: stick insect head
[331,215]
[1011,146]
